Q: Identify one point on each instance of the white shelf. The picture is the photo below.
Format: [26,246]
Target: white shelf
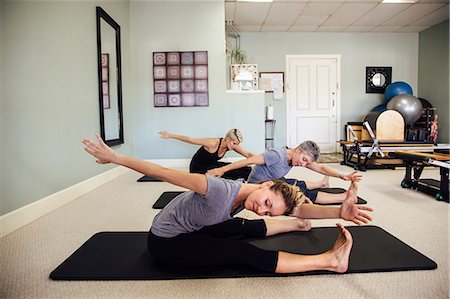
[244,91]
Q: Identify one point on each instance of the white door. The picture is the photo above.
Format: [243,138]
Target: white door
[313,100]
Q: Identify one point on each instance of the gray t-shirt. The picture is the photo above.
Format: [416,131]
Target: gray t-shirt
[275,166]
[189,211]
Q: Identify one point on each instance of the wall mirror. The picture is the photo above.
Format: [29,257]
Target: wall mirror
[378,78]
[109,78]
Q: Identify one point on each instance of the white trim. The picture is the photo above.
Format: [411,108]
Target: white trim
[336,57]
[26,214]
[244,91]
[35,210]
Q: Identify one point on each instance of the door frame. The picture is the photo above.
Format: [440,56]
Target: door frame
[337,58]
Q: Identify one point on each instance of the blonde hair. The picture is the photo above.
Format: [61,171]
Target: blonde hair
[235,135]
[292,195]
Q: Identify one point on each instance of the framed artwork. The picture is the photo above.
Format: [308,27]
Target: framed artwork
[180,79]
[277,83]
[105,81]
[252,68]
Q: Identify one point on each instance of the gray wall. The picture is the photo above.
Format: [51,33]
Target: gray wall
[357,51]
[49,98]
[186,26]
[434,73]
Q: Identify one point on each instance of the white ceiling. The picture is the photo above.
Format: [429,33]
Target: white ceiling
[335,15]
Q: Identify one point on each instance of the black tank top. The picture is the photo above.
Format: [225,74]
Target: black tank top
[203,160]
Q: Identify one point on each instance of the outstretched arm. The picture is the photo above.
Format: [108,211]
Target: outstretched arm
[328,171]
[104,155]
[242,151]
[206,142]
[259,159]
[347,211]
[279,226]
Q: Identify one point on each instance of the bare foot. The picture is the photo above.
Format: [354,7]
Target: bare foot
[325,182]
[304,225]
[340,252]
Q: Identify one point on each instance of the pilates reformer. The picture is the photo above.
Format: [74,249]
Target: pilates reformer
[415,163]
[370,154]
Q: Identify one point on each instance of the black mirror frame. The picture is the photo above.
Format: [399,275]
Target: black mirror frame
[101,14]
[386,71]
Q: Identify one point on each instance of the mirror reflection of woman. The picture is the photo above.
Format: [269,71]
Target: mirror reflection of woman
[212,150]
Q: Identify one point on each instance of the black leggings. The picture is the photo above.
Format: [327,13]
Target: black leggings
[216,245]
[311,194]
[240,173]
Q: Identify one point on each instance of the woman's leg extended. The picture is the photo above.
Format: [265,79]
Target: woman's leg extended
[240,173]
[311,194]
[197,249]
[236,227]
[240,227]
[327,198]
[335,259]
[324,183]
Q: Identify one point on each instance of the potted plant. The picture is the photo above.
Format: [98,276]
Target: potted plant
[238,56]
[238,61]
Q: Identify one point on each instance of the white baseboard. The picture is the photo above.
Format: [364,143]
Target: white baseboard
[24,215]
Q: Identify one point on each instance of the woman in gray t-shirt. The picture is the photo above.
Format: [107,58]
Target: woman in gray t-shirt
[276,163]
[193,229]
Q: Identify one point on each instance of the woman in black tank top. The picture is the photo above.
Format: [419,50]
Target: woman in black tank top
[212,150]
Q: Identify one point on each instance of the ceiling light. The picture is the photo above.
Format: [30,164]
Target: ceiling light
[400,1]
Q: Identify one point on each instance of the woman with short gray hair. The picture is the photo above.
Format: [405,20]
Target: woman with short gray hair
[276,163]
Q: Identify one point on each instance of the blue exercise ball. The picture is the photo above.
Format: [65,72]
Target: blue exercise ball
[395,89]
[379,108]
[408,106]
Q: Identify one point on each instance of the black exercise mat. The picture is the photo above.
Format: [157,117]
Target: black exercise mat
[339,191]
[146,178]
[166,197]
[124,256]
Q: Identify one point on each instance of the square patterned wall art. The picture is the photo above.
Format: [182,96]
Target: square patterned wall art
[180,79]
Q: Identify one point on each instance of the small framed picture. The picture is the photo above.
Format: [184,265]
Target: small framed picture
[277,83]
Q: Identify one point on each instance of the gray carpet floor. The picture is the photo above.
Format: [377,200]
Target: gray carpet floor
[29,254]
